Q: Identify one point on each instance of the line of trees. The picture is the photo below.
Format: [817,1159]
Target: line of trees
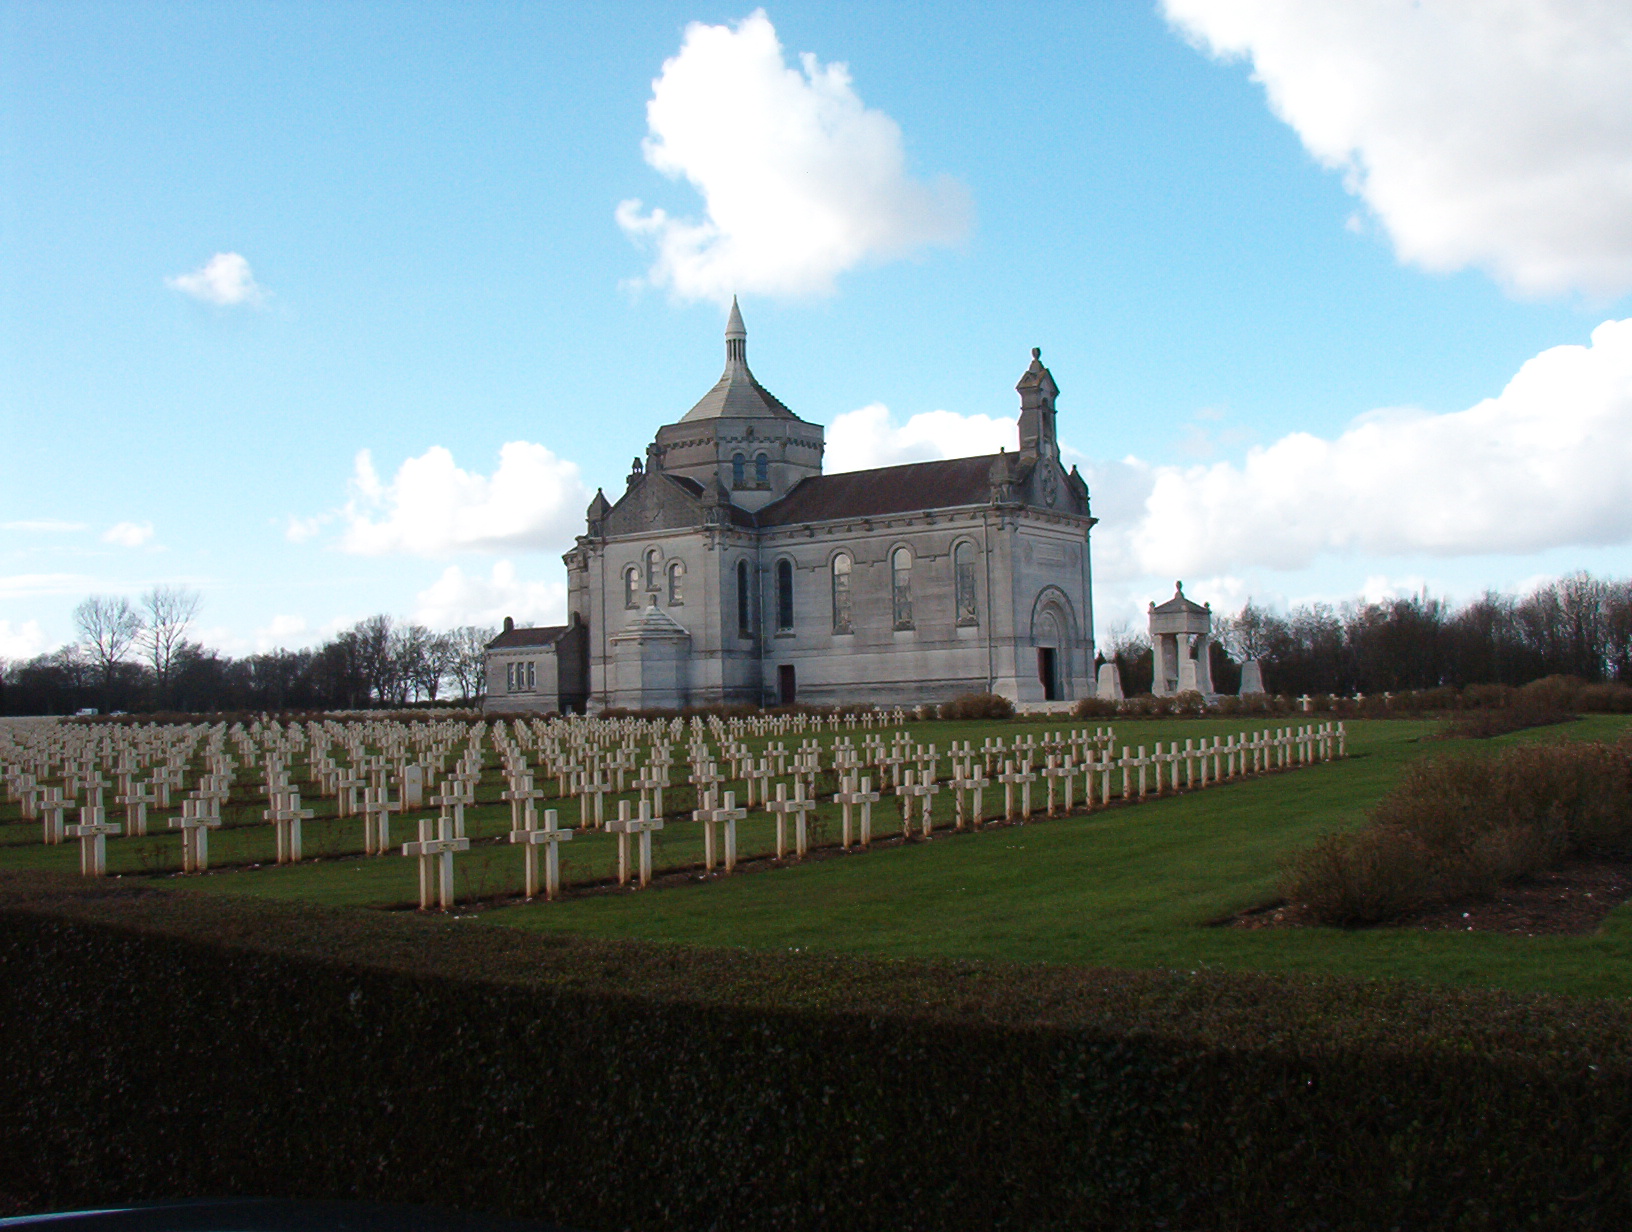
[1579,626]
[137,658]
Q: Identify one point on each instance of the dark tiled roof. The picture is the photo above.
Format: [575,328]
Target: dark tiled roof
[887,490]
[543,635]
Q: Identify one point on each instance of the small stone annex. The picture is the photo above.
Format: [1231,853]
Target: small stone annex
[732,570]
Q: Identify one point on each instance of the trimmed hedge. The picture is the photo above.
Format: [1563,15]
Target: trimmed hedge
[166,1044]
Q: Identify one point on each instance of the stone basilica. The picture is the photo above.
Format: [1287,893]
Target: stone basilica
[732,570]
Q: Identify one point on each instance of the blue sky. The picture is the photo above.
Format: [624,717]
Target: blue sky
[1233,228]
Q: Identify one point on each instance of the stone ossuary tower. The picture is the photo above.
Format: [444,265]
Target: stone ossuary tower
[731,569]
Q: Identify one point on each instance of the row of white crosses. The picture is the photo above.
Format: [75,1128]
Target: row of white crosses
[595,761]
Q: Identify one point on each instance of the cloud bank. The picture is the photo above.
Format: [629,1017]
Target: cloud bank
[456,599]
[1546,463]
[869,437]
[1488,133]
[532,501]
[800,180]
[128,534]
[225,279]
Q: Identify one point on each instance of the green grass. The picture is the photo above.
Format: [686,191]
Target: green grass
[1130,886]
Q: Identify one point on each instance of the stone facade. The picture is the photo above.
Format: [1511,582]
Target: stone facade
[538,670]
[1181,634]
[732,570]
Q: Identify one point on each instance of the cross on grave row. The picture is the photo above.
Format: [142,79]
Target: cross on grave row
[550,837]
[627,825]
[727,815]
[435,855]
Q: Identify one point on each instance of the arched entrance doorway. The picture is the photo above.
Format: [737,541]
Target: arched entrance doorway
[1053,629]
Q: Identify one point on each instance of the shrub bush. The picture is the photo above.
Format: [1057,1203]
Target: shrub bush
[1095,708]
[1465,826]
[978,706]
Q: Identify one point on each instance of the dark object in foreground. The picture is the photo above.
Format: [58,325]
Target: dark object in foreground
[170,1043]
[270,1215]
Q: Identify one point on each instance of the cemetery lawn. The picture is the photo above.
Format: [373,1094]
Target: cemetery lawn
[1133,886]
[1129,887]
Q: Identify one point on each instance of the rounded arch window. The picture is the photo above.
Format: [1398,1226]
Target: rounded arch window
[901,586]
[784,596]
[841,569]
[652,561]
[963,580]
[631,585]
[677,575]
[739,470]
[762,469]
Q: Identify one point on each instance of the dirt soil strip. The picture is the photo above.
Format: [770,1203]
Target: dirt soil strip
[1573,898]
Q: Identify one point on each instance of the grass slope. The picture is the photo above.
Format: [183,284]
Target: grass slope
[1130,886]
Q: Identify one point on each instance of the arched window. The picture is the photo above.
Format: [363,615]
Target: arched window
[841,593]
[744,625]
[762,470]
[901,586]
[739,467]
[963,569]
[652,559]
[677,572]
[631,587]
[784,596]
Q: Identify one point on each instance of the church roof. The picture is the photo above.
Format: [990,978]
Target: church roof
[737,395]
[887,490]
[543,635]
[1178,604]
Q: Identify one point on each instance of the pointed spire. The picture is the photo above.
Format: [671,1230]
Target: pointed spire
[736,337]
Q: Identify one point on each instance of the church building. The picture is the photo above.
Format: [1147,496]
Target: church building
[731,569]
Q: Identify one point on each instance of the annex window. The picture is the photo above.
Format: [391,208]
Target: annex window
[677,574]
[631,586]
[739,471]
[784,596]
[762,470]
[652,560]
[744,625]
[963,568]
[841,593]
[901,586]
[509,677]
[532,674]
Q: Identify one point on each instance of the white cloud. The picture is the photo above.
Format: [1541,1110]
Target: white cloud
[22,640]
[533,501]
[224,279]
[128,534]
[299,529]
[50,526]
[1494,133]
[869,437]
[455,599]
[800,181]
[1547,463]
[23,585]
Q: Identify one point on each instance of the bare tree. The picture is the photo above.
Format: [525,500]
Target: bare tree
[374,655]
[108,627]
[169,610]
[469,667]
[441,653]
